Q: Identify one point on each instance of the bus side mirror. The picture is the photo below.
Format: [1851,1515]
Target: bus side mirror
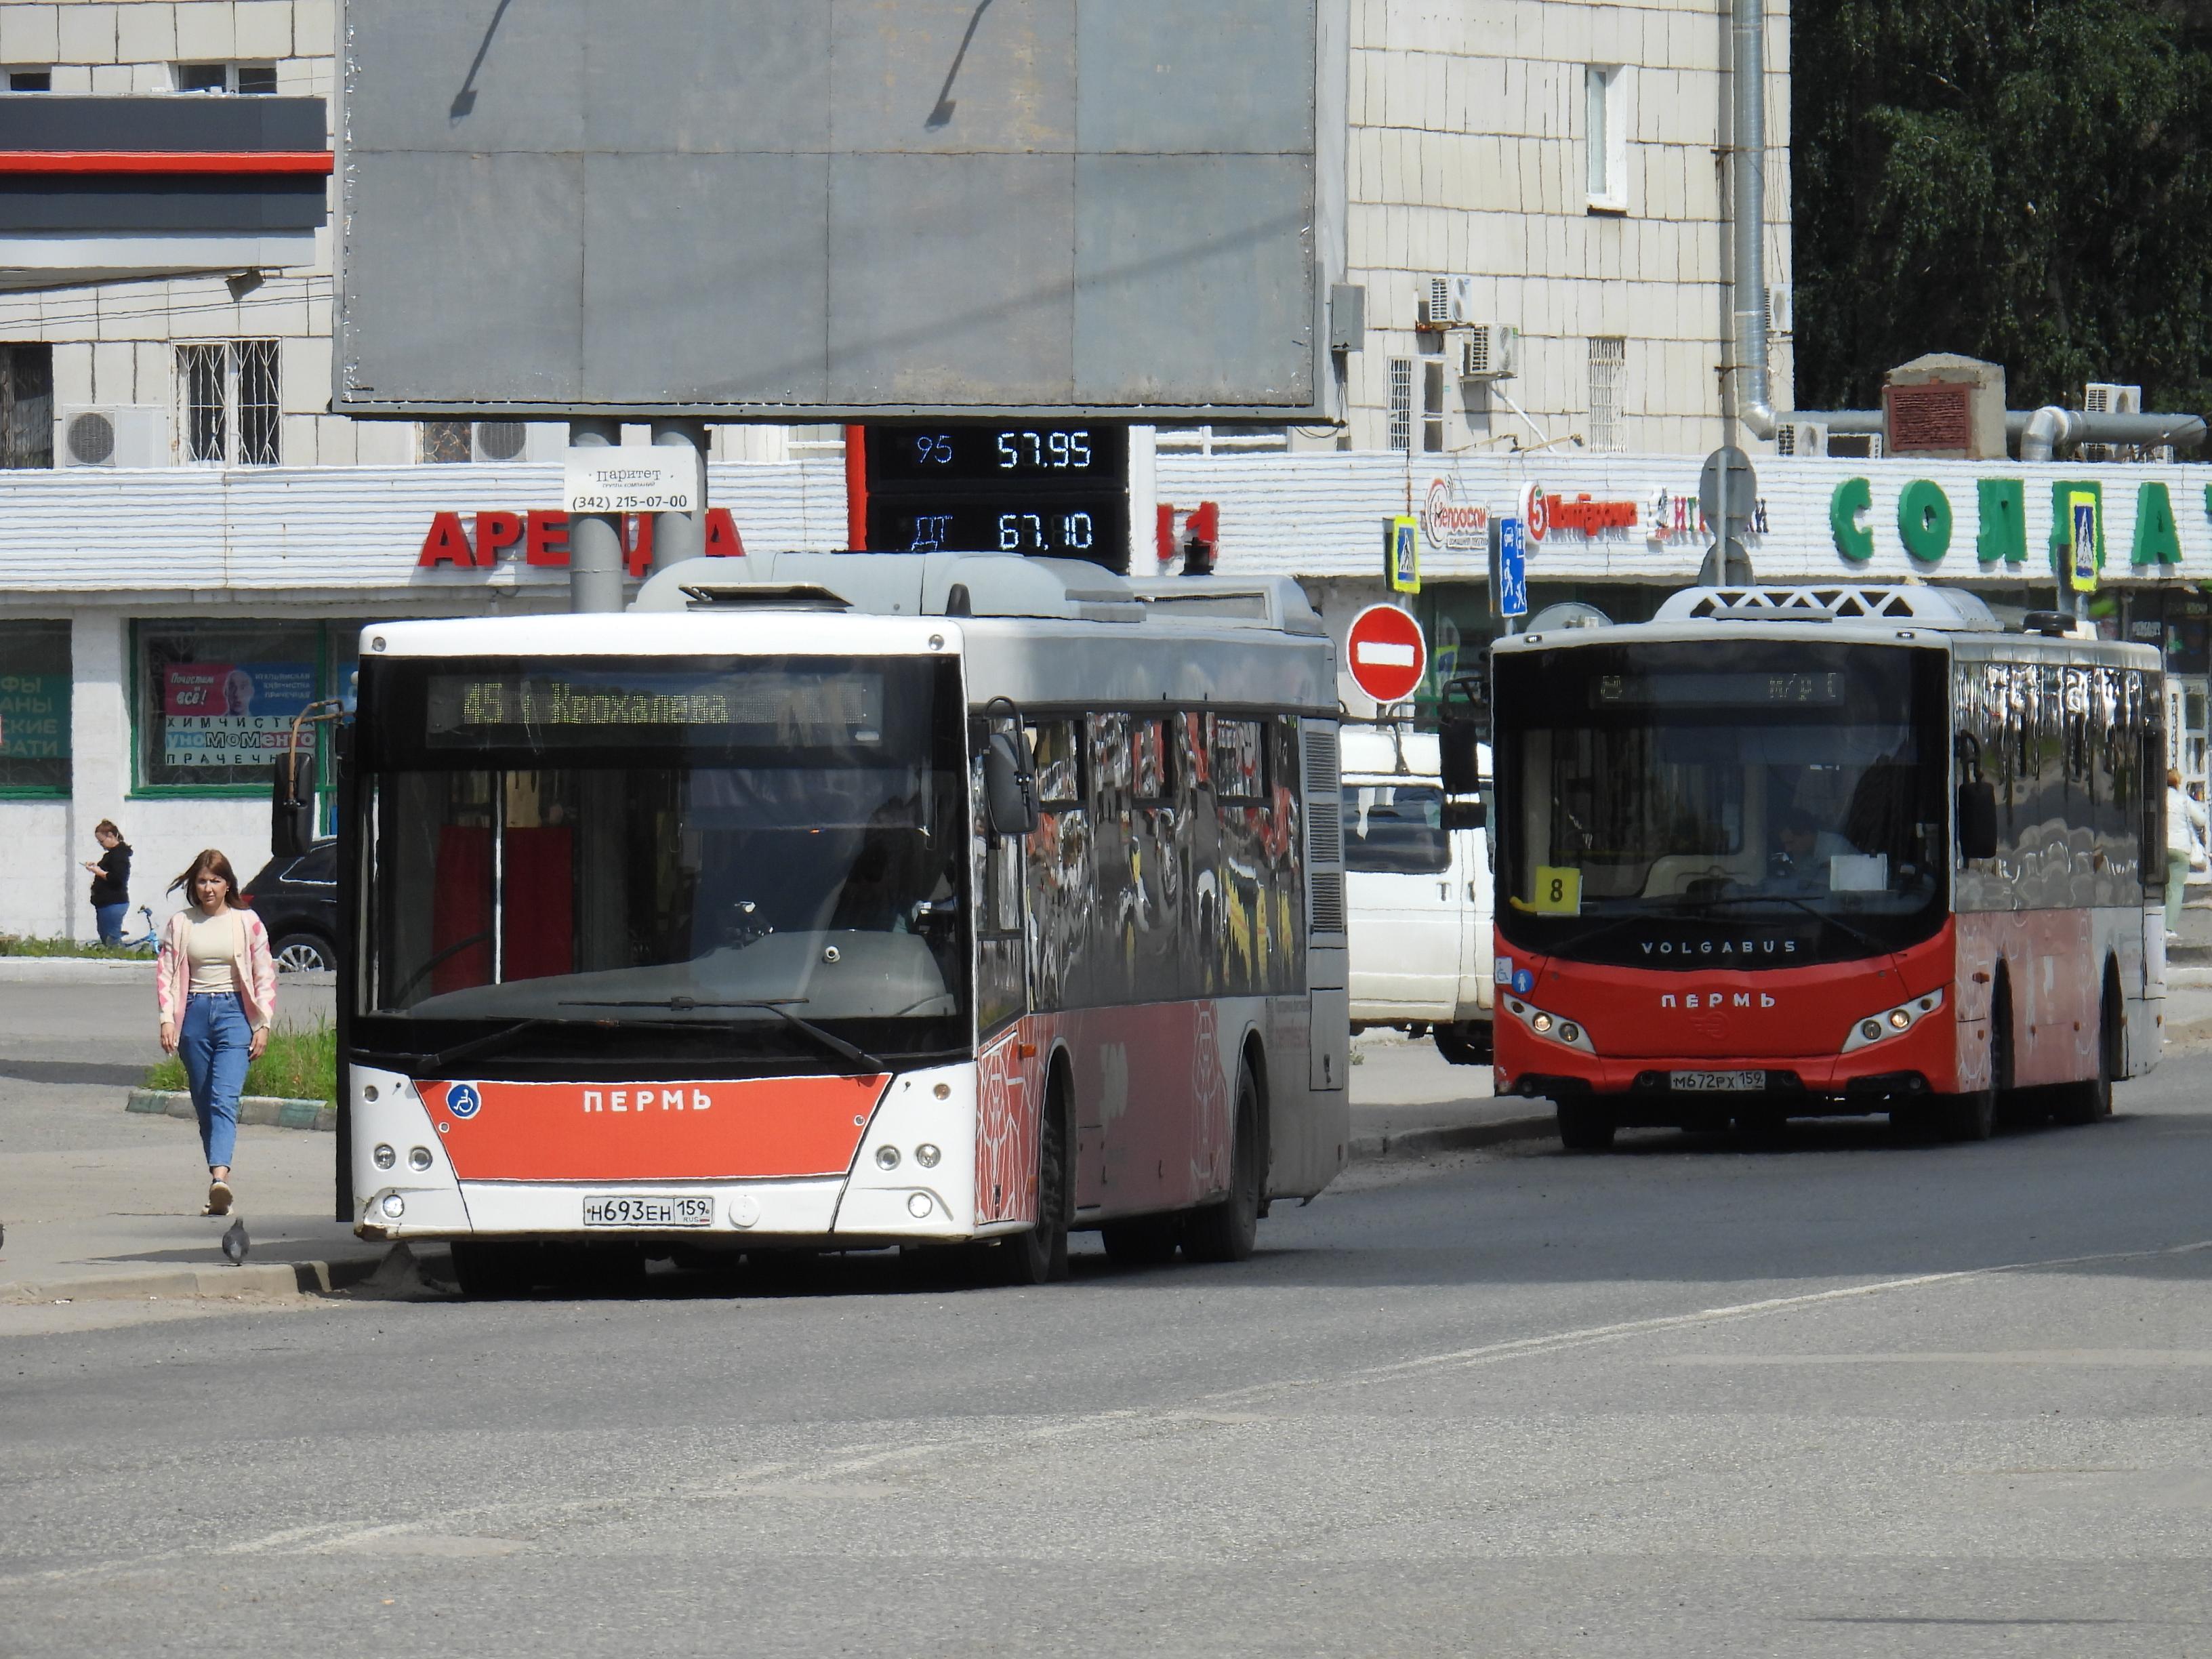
[292,805]
[1464,815]
[1455,751]
[1010,784]
[1978,819]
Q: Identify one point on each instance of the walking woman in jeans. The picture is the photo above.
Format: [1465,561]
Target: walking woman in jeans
[215,989]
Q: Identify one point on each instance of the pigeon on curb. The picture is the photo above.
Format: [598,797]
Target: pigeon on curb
[235,1243]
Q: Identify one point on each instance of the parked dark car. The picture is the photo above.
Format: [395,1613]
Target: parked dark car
[297,900]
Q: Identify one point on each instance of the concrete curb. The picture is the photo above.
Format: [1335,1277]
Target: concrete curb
[1463,1138]
[76,970]
[270,1279]
[268,1110]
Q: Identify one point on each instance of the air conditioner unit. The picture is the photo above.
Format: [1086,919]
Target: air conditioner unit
[1491,351]
[2105,398]
[1854,445]
[111,435]
[1800,438]
[499,441]
[1781,310]
[1447,303]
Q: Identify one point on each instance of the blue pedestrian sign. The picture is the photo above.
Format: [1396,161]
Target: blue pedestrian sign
[1512,569]
[1401,554]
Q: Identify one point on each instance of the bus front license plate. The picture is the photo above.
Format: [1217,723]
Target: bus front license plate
[1719,1083]
[647,1210]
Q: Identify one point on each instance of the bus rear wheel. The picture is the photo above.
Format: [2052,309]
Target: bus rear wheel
[1228,1231]
[1585,1126]
[2088,1102]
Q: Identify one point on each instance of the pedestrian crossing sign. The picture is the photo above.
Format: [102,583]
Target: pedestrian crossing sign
[1401,553]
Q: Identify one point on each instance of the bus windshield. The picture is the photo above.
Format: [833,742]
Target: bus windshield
[1674,807]
[664,858]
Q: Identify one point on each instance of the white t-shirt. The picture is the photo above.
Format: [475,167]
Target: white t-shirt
[210,947]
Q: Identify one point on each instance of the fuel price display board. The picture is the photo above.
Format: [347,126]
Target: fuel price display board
[1057,489]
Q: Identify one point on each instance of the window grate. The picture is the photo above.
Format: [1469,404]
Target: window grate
[1609,376]
[1401,403]
[445,443]
[231,404]
[1432,408]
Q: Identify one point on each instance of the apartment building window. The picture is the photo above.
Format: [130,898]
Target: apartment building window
[1608,374]
[26,405]
[30,80]
[230,409]
[1433,409]
[1604,136]
[1401,403]
[247,78]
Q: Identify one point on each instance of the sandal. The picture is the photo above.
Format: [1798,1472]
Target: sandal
[219,1199]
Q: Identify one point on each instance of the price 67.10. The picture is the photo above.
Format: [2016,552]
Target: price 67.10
[1045,532]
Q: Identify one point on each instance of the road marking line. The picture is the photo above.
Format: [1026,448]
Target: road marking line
[1203,1412]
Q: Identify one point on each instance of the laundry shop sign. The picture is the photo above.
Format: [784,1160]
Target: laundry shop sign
[539,537]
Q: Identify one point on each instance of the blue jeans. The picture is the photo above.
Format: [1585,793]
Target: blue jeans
[110,917]
[212,1046]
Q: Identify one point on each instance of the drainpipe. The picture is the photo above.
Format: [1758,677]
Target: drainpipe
[1754,400]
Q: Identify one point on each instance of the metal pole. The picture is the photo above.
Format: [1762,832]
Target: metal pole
[679,535]
[595,544]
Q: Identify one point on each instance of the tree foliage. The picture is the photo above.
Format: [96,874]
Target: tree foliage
[2022,180]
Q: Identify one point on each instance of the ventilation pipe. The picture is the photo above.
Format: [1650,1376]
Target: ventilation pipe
[1754,397]
[2052,428]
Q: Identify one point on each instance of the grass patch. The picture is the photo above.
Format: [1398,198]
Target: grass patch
[15,945]
[296,1065]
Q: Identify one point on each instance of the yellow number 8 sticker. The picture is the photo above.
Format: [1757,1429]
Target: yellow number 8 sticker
[1558,892]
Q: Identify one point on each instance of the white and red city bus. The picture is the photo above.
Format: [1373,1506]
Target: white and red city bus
[844,900]
[1803,851]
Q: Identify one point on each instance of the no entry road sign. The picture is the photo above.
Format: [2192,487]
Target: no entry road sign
[1387,654]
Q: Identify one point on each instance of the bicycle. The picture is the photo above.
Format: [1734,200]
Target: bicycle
[146,944]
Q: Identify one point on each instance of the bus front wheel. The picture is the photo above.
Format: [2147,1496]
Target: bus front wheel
[1585,1126]
[1039,1256]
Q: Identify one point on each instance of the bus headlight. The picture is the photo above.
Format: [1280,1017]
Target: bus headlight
[887,1157]
[1551,1027]
[1879,1028]
[385,1157]
[393,1206]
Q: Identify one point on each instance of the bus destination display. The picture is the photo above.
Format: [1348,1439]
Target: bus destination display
[585,707]
[1722,690]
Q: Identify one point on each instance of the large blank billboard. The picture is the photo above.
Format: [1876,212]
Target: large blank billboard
[817,209]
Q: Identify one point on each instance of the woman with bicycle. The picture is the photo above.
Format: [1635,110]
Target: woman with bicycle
[111,881]
[215,990]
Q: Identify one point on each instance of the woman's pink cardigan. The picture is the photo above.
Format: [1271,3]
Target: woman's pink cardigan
[253,971]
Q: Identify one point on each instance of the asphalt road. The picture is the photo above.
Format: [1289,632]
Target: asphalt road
[1849,1395]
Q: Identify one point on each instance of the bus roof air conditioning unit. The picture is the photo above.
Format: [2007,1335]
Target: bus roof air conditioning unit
[1446,302]
[1800,438]
[1491,351]
[113,436]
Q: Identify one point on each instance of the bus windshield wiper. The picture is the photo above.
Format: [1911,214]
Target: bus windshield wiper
[779,1007]
[1698,906]
[444,1059]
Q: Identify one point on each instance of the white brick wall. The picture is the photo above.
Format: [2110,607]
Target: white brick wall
[1465,156]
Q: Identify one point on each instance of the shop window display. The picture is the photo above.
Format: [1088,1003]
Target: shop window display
[216,701]
[34,709]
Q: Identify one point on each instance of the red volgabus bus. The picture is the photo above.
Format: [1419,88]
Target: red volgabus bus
[1809,851]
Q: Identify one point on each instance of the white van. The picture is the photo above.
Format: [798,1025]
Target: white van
[1419,894]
